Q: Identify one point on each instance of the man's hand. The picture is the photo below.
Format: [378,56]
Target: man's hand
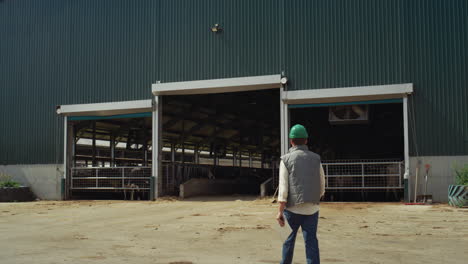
[280,219]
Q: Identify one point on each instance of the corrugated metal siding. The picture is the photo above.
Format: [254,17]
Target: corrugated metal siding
[32,68]
[340,43]
[437,63]
[65,52]
[113,50]
[248,45]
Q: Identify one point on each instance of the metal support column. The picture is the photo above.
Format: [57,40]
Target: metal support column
[123,177]
[173,152]
[94,144]
[145,146]
[240,153]
[73,150]
[97,177]
[171,177]
[406,150]
[112,150]
[362,175]
[399,175]
[197,155]
[157,146]
[284,114]
[215,157]
[65,162]
[183,141]
[326,174]
[240,158]
[234,158]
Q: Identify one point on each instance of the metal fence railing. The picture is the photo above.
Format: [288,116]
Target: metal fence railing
[111,178]
[339,175]
[359,175]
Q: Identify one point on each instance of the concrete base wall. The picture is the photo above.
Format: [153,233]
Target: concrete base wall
[44,180]
[441,175]
[196,187]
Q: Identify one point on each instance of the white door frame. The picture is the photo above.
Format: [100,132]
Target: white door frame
[251,83]
[354,94]
[98,109]
[157,145]
[346,94]
[226,85]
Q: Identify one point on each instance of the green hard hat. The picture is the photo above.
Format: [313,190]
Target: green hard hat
[298,131]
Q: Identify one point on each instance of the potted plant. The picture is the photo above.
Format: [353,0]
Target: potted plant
[458,193]
[11,191]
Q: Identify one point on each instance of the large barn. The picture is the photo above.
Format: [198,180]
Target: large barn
[143,99]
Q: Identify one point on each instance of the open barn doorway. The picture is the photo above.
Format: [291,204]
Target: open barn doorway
[110,156]
[220,143]
[361,145]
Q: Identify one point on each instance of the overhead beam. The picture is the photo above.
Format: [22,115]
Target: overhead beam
[347,94]
[218,85]
[203,140]
[105,109]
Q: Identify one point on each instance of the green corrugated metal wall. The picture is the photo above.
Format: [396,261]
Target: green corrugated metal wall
[341,43]
[190,51]
[437,62]
[67,51]
[56,52]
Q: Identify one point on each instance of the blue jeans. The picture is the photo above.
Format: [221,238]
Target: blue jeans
[308,223]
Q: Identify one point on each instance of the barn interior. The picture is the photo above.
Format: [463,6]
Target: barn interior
[212,144]
[220,144]
[110,157]
[361,146]
[229,143]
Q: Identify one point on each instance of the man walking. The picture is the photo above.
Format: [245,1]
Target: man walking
[301,185]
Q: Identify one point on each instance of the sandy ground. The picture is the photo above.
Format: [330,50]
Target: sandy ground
[224,230]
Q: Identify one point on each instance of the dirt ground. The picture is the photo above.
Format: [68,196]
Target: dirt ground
[222,230]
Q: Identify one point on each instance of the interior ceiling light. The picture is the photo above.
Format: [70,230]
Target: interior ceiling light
[216,28]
